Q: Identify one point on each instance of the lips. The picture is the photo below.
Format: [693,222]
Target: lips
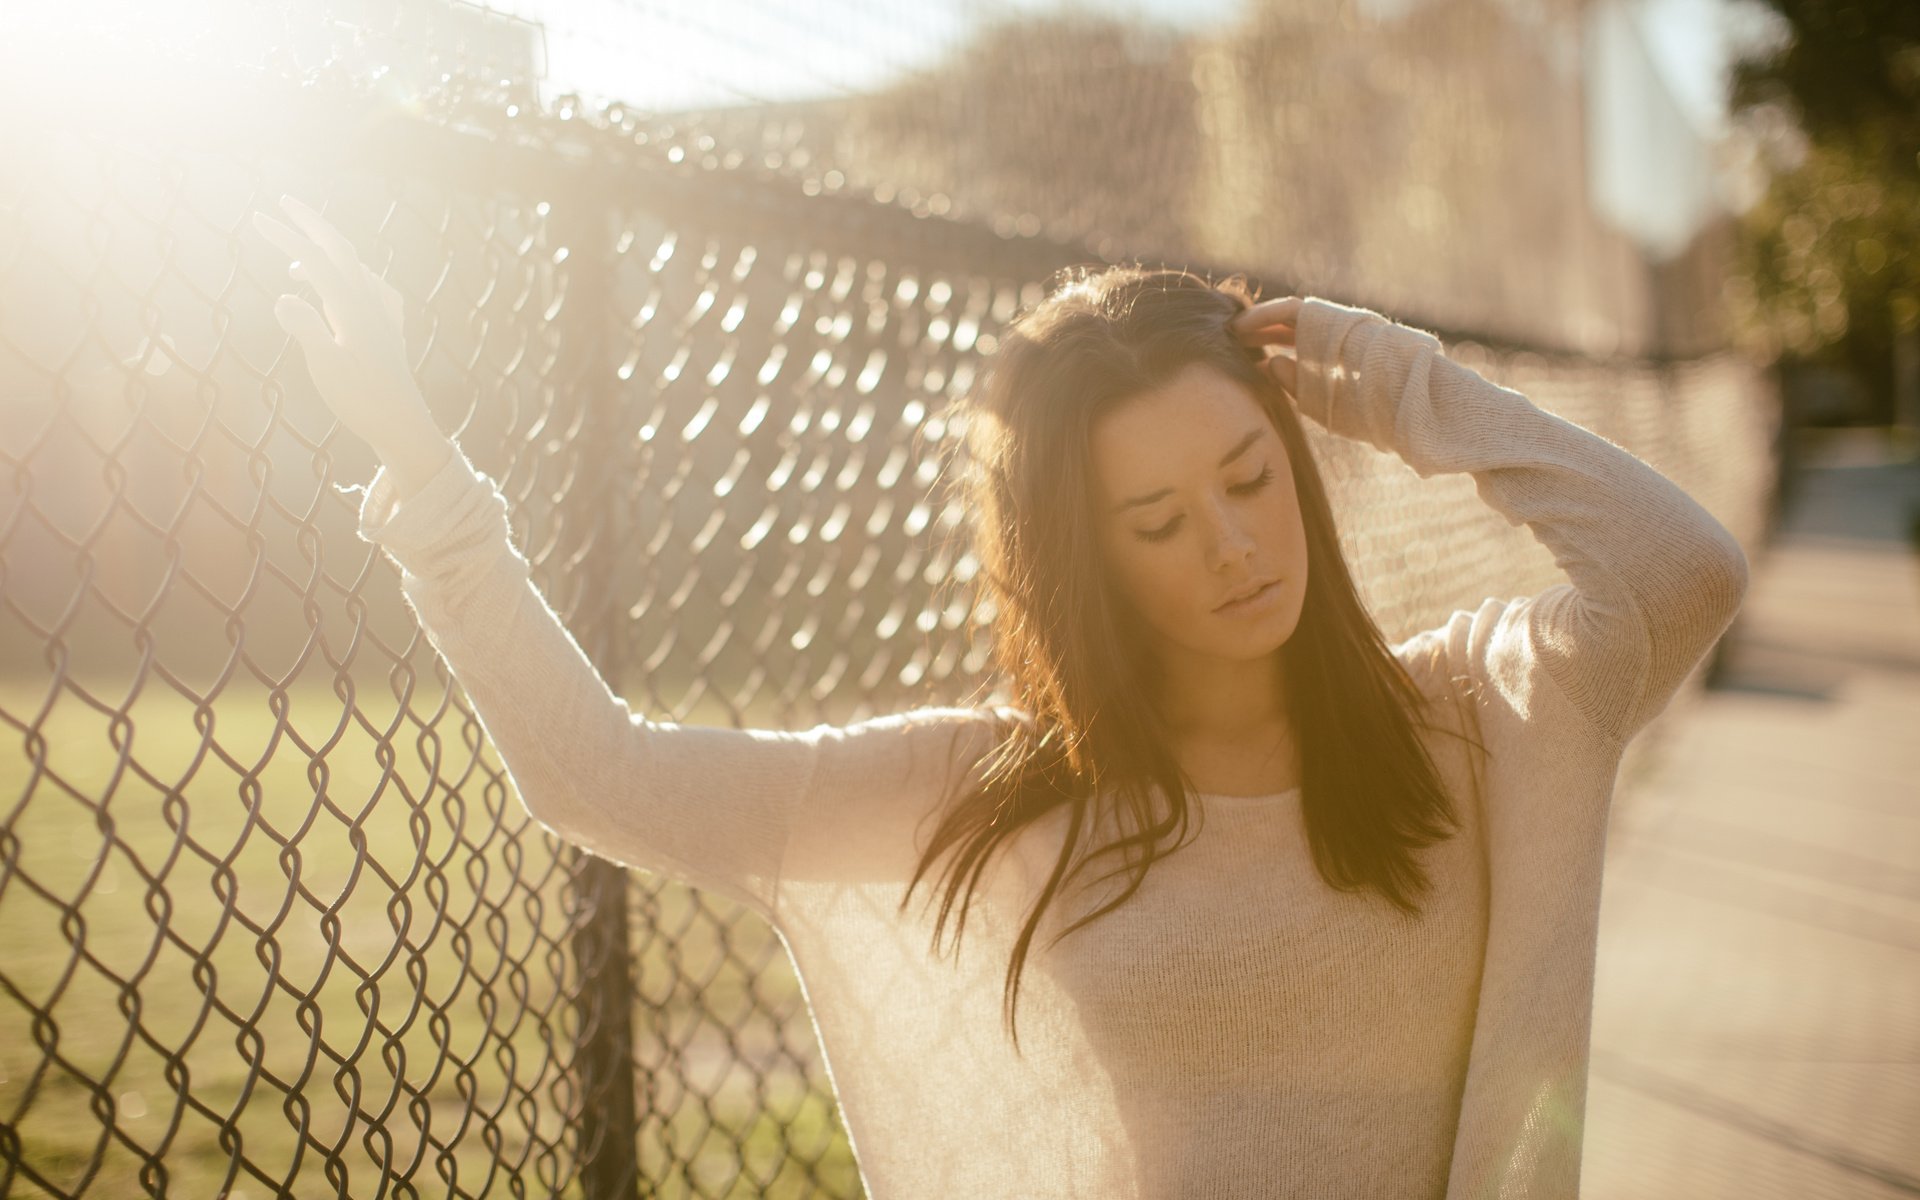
[1243,594]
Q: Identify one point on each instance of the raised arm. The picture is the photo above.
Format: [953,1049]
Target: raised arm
[707,805]
[711,806]
[1653,578]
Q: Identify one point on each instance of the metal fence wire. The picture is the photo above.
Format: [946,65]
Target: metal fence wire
[272,921]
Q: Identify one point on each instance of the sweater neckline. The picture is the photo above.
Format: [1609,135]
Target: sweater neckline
[1266,797]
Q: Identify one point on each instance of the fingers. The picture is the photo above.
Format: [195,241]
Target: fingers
[1270,325]
[328,256]
[1267,335]
[324,235]
[306,325]
[391,300]
[1281,310]
[316,263]
[336,292]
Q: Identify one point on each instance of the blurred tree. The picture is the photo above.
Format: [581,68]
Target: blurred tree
[1829,267]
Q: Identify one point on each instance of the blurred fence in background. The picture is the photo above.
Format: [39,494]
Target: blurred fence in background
[271,920]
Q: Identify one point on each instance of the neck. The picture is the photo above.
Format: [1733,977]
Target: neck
[1217,699]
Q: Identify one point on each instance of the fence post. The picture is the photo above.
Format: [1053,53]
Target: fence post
[609,1166]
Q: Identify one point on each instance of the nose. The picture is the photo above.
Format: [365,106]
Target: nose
[1228,542]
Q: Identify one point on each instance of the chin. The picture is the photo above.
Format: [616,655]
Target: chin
[1251,648]
[1269,646]
[1260,640]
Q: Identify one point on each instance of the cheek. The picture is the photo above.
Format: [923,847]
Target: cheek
[1285,527]
[1149,578]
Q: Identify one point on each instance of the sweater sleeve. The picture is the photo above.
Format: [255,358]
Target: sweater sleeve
[1653,579]
[710,806]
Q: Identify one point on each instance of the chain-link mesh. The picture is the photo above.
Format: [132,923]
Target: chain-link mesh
[271,919]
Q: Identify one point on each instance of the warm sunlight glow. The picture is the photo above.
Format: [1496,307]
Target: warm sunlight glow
[151,66]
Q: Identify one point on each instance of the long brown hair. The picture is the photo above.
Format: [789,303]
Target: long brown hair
[1071,648]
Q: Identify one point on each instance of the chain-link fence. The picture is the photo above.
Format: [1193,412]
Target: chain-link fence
[271,920]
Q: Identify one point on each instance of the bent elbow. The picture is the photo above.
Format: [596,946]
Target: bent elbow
[1728,575]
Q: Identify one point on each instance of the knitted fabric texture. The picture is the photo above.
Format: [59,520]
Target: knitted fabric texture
[1237,1028]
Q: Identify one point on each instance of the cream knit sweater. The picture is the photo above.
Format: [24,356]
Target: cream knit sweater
[1237,1028]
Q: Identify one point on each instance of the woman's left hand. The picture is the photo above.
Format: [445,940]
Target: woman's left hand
[1271,323]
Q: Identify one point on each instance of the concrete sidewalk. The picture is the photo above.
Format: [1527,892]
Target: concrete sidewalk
[1757,1007]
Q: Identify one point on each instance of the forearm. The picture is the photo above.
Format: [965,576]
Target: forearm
[706,806]
[1655,578]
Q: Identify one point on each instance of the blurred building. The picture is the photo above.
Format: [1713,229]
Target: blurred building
[1512,170]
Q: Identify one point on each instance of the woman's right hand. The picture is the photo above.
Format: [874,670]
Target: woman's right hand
[1273,323]
[356,353]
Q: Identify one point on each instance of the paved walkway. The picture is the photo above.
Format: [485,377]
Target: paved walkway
[1757,1008]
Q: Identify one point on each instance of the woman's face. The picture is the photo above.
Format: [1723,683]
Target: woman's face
[1197,506]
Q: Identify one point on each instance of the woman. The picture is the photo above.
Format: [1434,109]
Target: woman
[1283,910]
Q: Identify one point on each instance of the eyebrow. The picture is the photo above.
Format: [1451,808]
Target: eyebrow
[1239,448]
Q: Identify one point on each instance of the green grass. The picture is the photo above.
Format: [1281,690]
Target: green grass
[142,851]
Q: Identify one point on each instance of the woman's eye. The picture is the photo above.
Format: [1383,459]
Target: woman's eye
[1242,489]
[1255,484]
